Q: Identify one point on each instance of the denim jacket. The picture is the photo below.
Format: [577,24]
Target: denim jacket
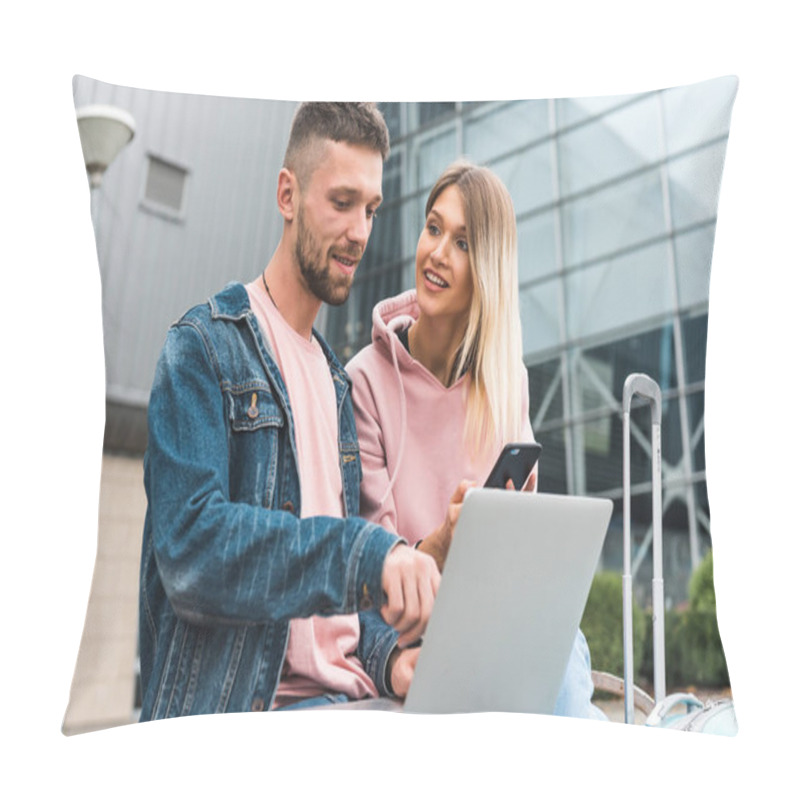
[226,560]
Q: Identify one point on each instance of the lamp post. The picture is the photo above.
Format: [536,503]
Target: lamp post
[104,131]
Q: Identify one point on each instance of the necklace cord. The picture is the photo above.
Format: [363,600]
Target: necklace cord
[269,293]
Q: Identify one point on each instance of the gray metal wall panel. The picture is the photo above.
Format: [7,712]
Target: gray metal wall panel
[154,267]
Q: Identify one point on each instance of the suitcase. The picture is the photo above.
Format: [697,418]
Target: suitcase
[717,717]
[680,711]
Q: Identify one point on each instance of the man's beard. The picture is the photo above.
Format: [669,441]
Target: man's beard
[315,266]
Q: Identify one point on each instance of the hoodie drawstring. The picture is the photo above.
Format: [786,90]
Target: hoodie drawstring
[392,342]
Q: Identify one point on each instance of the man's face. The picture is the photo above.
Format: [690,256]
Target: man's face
[334,218]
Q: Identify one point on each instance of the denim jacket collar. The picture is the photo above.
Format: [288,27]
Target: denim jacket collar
[234,304]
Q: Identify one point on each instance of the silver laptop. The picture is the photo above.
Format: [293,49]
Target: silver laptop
[509,604]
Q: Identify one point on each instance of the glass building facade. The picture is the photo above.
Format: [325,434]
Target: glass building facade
[616,203]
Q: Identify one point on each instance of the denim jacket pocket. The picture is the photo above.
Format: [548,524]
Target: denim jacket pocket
[257,434]
[253,407]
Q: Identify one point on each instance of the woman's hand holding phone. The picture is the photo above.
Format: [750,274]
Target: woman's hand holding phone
[530,484]
[437,544]
[514,467]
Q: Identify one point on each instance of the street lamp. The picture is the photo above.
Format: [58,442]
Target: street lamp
[104,131]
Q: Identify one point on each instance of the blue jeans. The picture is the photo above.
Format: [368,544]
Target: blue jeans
[575,696]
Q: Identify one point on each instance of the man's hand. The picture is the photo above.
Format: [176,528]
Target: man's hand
[437,544]
[410,581]
[402,664]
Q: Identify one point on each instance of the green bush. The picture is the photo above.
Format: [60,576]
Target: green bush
[693,649]
[602,625]
[701,586]
[694,643]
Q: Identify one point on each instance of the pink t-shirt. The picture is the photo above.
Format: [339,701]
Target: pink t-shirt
[321,653]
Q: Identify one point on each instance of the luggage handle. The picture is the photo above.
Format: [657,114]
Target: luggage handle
[657,715]
[641,384]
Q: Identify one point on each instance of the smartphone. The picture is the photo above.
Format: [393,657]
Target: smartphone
[516,462]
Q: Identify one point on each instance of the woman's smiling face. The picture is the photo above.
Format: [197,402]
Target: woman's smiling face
[443,274]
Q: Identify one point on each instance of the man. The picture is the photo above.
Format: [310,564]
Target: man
[253,560]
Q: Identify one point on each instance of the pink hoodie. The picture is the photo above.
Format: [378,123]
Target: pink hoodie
[410,429]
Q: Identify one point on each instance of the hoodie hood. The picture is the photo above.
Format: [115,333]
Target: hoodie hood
[391,316]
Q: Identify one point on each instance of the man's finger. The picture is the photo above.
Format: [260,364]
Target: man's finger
[392,609]
[408,623]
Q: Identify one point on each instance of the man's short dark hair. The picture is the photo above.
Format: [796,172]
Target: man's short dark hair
[353,123]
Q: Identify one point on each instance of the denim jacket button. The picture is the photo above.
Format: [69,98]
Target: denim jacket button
[252,411]
[366,601]
[288,506]
[258,704]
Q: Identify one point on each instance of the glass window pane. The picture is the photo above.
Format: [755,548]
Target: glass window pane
[471,105]
[392,113]
[593,382]
[693,265]
[611,556]
[348,327]
[597,436]
[413,214]
[385,242]
[650,352]
[539,307]
[528,176]
[393,177]
[613,145]
[552,476]
[490,135]
[336,331]
[571,110]
[545,393]
[614,218]
[694,183]
[435,154]
[695,333]
[375,288]
[598,444]
[671,436]
[618,292]
[536,241]
[701,504]
[694,114]
[409,275]
[676,518]
[430,112]
[695,406]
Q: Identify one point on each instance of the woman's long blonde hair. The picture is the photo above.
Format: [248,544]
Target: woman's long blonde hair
[492,348]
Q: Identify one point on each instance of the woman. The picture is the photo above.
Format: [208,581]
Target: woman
[443,387]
